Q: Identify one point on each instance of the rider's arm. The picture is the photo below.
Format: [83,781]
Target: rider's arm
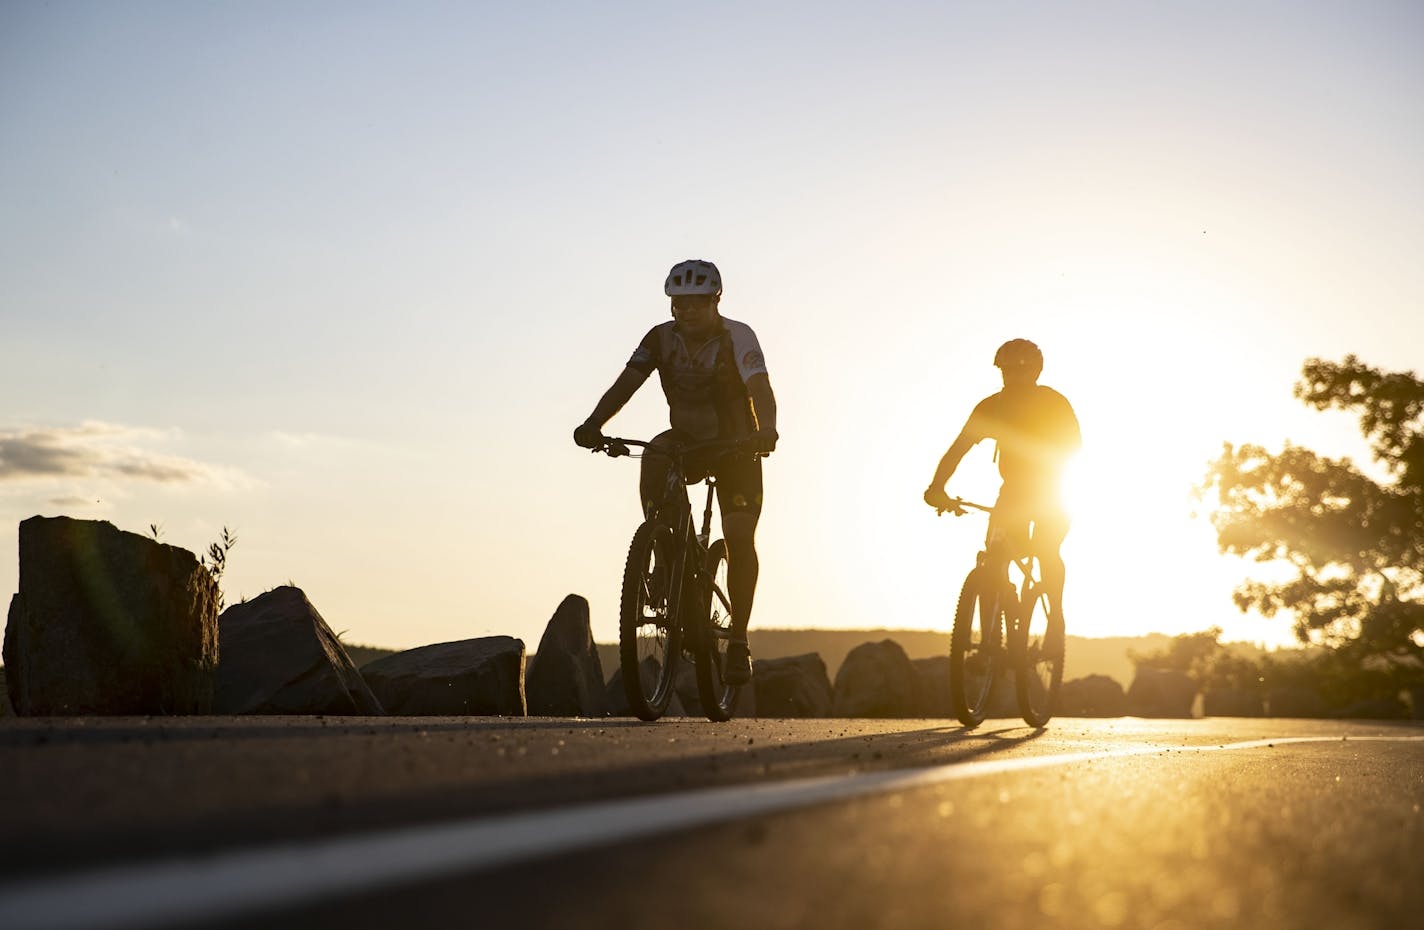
[763,402]
[612,401]
[962,444]
[975,429]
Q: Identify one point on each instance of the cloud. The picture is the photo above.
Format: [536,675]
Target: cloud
[73,502]
[97,450]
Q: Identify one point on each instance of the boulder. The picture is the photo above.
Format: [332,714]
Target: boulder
[935,693]
[684,686]
[794,686]
[1093,696]
[5,708]
[280,657]
[109,622]
[1160,692]
[687,699]
[875,680]
[1294,702]
[618,699]
[746,705]
[932,692]
[565,677]
[1232,702]
[1003,697]
[471,677]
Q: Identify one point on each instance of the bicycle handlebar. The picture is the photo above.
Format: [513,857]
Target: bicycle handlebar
[957,505]
[614,447]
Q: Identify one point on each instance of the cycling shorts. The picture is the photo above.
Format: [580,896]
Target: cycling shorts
[738,474]
[1027,524]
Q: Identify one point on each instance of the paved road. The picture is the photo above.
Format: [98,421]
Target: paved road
[1121,823]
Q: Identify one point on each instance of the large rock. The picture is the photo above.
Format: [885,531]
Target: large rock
[1093,696]
[109,622]
[565,676]
[1160,692]
[280,657]
[1003,699]
[794,686]
[483,676]
[875,680]
[1232,702]
[684,687]
[618,698]
[932,696]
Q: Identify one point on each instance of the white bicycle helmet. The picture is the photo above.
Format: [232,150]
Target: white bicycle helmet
[692,277]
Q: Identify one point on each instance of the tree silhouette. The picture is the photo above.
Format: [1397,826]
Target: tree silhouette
[1356,544]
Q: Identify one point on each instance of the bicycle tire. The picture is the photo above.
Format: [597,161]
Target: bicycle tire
[975,647]
[719,699]
[1039,647]
[649,635]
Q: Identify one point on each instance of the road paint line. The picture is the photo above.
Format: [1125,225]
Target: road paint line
[243,882]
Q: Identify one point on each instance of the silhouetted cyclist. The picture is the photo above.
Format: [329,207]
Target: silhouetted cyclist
[1037,432]
[714,377]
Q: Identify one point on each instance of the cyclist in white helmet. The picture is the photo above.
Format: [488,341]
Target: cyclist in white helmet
[714,376]
[1037,432]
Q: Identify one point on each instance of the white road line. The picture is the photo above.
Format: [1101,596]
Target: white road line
[237,883]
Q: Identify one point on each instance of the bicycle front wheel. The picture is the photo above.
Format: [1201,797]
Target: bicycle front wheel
[648,631]
[975,647]
[718,697]
[1039,647]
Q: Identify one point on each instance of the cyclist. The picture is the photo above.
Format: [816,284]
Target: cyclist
[1036,432]
[715,380]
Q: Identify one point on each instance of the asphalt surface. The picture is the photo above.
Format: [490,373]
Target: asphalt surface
[1090,823]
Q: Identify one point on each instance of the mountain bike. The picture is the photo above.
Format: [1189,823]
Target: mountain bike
[1003,623]
[675,605]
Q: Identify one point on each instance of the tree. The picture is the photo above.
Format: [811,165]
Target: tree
[1356,545]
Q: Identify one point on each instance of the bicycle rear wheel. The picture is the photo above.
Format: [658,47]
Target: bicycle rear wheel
[1039,646]
[718,697]
[648,631]
[975,647]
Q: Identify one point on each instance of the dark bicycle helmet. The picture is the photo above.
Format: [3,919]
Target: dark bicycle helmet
[1019,353]
[693,277]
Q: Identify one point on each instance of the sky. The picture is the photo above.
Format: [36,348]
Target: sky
[343,277]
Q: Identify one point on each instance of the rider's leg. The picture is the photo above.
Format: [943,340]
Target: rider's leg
[653,476]
[739,491]
[1048,535]
[1006,537]
[657,494]
[739,529]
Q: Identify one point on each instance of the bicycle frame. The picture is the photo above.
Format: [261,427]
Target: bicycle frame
[660,617]
[995,598]
[1024,593]
[693,548]
[693,544]
[999,557]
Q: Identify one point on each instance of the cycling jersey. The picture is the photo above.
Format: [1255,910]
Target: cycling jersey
[705,381]
[1036,431]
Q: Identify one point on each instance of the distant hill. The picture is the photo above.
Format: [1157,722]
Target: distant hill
[1085,655]
[361,655]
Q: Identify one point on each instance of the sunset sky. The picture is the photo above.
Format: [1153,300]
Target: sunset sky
[343,277]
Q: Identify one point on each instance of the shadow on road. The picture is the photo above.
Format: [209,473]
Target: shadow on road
[678,755]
